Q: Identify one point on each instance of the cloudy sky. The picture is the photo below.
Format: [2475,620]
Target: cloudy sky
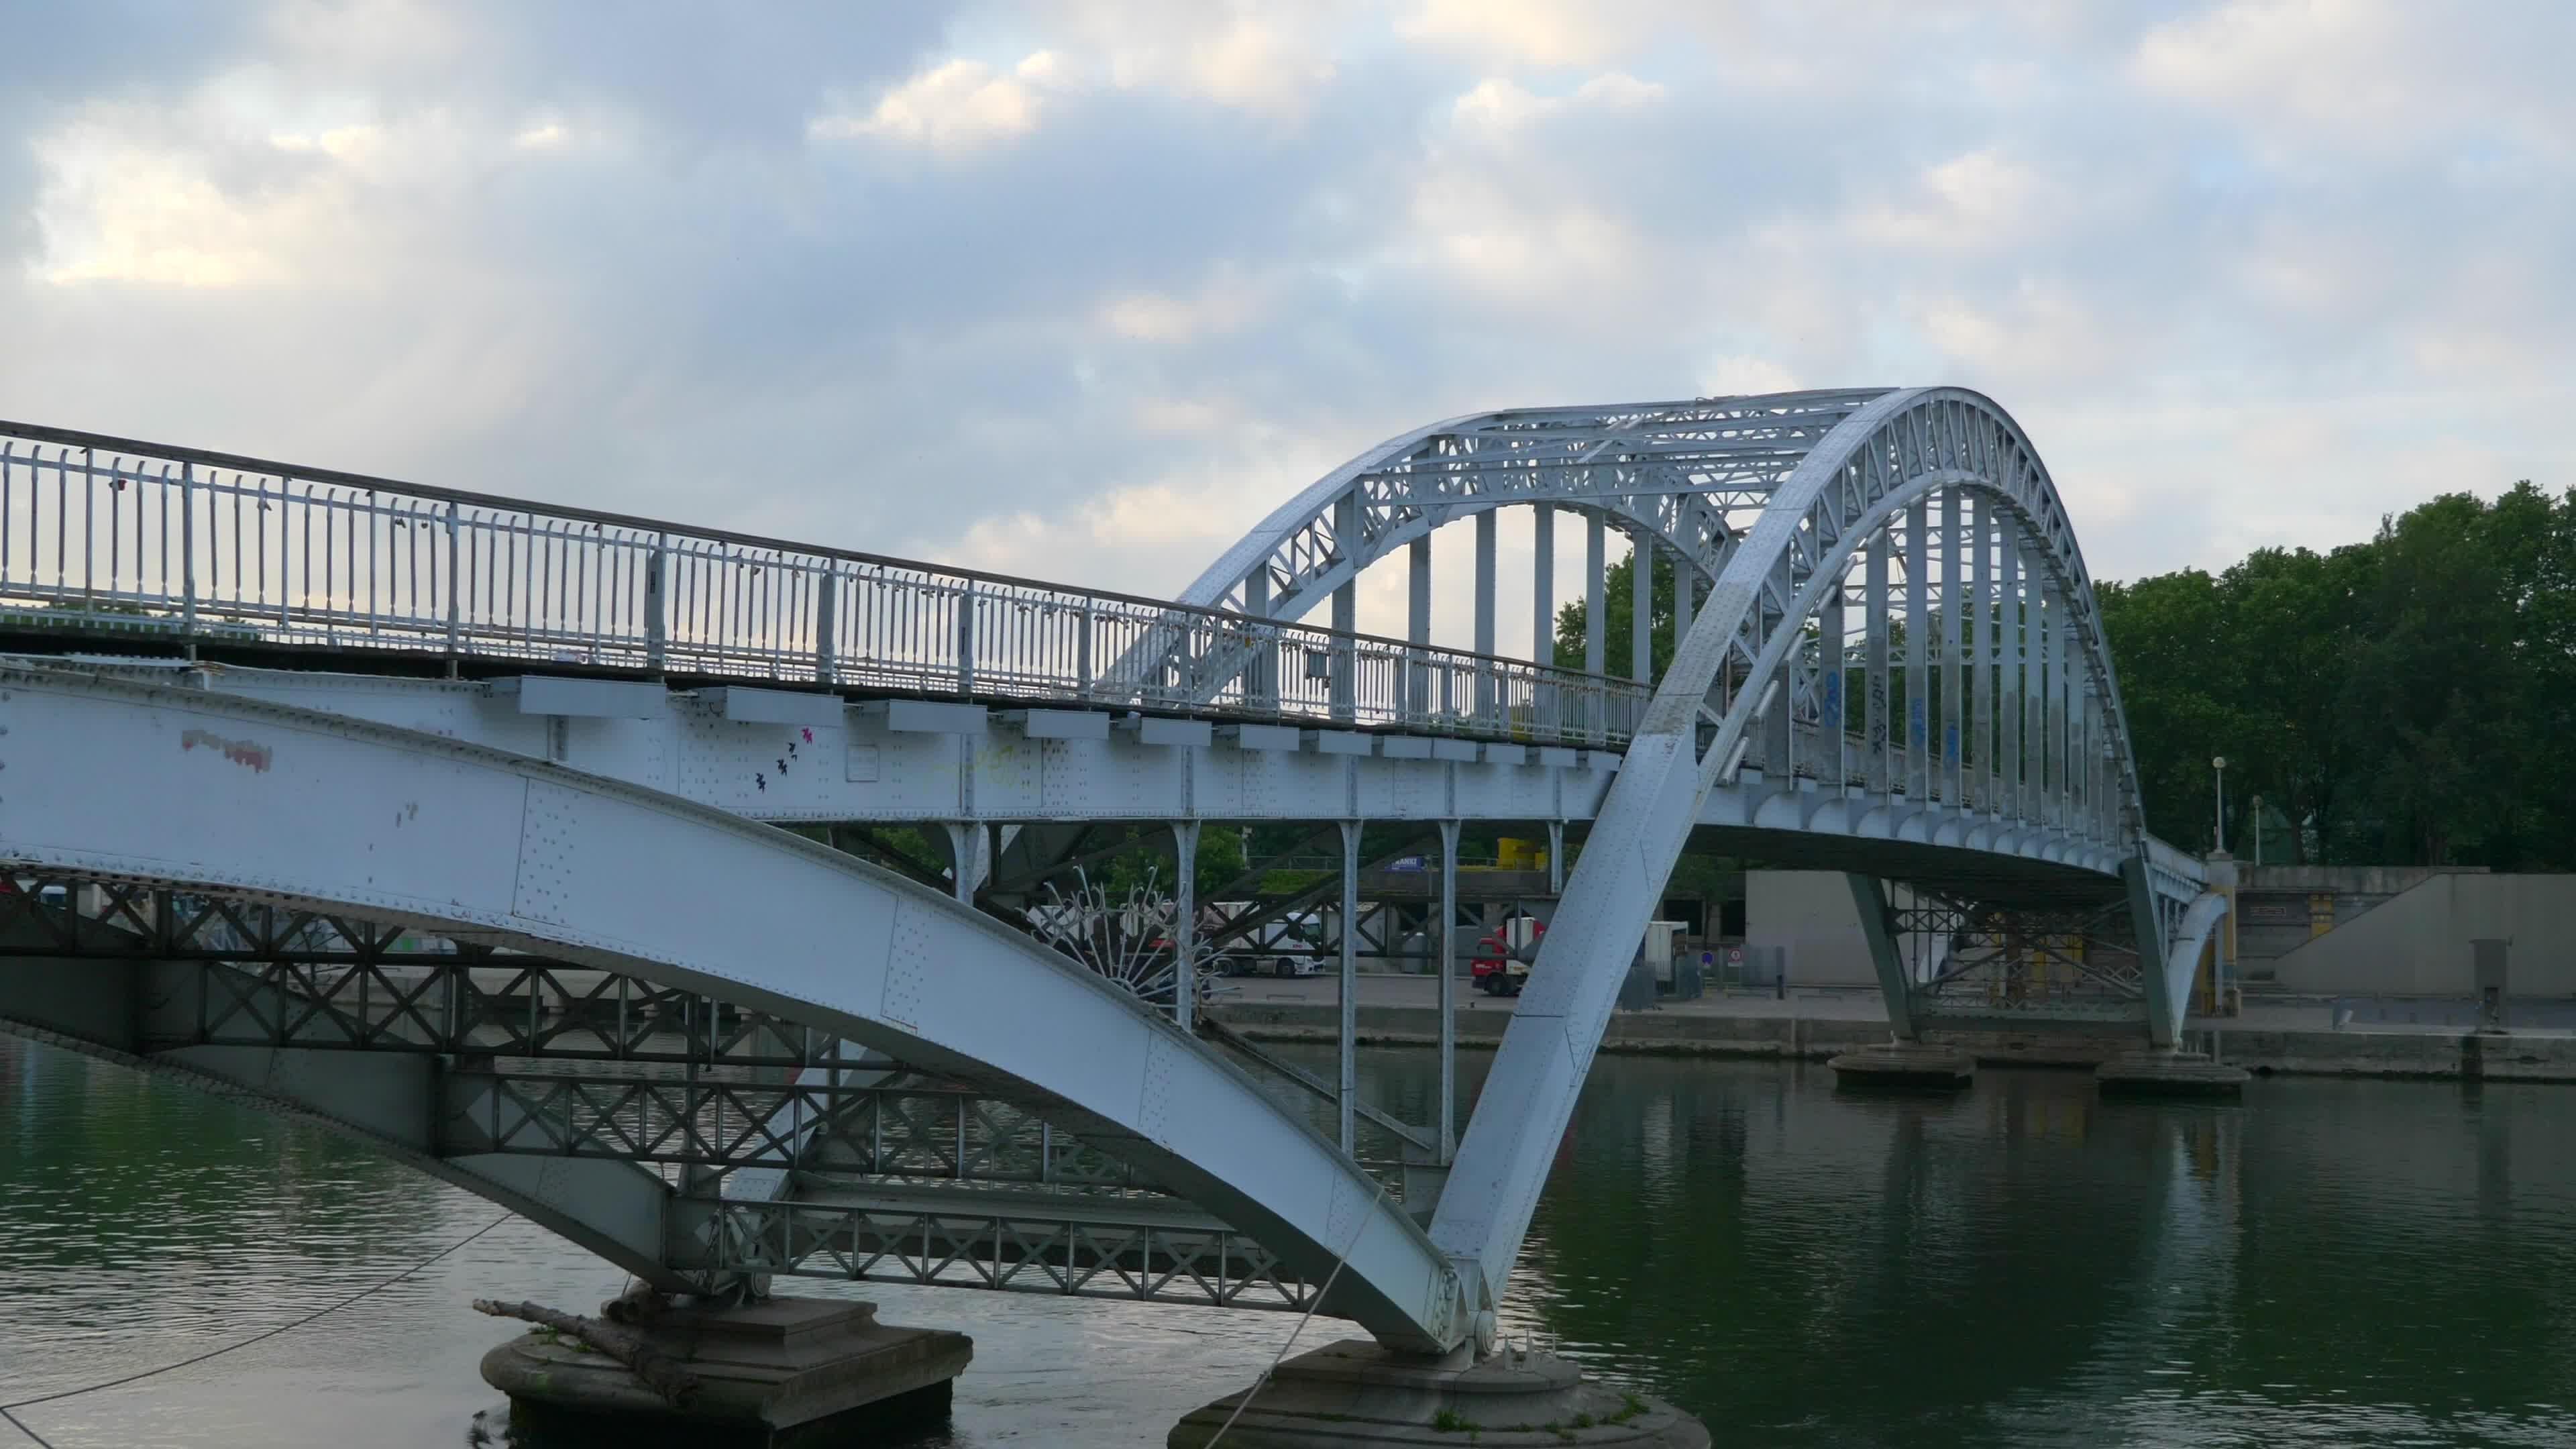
[1081,289]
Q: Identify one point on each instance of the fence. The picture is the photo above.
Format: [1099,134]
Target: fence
[101,533]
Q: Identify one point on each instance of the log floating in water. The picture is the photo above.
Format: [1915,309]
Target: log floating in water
[657,1370]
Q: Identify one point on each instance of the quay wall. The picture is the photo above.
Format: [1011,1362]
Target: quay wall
[2435,1054]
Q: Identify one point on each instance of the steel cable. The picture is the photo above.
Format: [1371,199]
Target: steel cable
[8,1411]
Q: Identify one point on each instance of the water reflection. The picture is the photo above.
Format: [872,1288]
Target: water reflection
[2024,1265]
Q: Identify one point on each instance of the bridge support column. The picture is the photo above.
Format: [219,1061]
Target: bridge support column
[1489,701]
[1906,1060]
[1641,610]
[965,859]
[1447,1105]
[1320,1397]
[2170,945]
[1346,1070]
[1543,586]
[1596,638]
[2147,922]
[819,1369]
[1185,923]
[1417,627]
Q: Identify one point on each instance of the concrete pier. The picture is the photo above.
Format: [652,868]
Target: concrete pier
[1909,1064]
[787,1371]
[2169,1074]
[1354,1392]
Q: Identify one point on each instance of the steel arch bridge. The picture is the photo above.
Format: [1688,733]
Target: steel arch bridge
[496,768]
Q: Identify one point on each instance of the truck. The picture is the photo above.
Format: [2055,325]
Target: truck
[1501,964]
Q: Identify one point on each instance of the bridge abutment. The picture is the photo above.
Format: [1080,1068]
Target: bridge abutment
[1358,1392]
[800,1371]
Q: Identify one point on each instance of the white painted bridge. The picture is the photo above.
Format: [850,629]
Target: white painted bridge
[448,820]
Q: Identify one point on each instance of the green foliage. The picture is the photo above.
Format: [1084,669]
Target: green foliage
[1619,610]
[2400,701]
[1150,854]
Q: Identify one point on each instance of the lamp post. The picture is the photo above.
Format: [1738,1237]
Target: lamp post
[2218,769]
[2258,830]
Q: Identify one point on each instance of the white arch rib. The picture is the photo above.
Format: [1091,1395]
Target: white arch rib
[189,788]
[1819,517]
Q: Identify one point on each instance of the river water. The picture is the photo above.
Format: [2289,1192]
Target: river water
[2329,1263]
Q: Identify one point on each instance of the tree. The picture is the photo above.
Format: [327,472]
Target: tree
[1619,609]
[2403,699]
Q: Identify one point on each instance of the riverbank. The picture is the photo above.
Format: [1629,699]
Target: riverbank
[1813,1029]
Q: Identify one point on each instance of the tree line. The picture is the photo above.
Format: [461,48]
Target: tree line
[2405,700]
[2402,701]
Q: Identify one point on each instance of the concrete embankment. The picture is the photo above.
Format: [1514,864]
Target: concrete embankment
[1794,1038]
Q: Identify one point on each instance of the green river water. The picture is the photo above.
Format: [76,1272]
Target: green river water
[2328,1263]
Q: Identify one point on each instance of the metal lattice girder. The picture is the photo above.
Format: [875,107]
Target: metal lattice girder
[1009,1242]
[809,1126]
[310,980]
[2020,961]
[186,788]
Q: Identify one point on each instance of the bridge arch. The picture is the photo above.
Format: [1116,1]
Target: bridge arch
[189,788]
[1654,470]
[1740,664]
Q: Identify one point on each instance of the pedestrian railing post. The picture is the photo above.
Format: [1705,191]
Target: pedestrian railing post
[657,626]
[187,554]
[827,612]
[455,595]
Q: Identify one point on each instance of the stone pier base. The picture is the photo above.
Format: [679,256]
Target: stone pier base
[1356,1393]
[788,1371]
[2169,1074]
[1904,1064]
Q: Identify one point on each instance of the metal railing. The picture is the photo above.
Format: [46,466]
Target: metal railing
[100,533]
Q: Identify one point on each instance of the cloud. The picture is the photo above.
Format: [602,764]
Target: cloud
[1226,304]
[954,106]
[1268,59]
[1543,33]
[1082,289]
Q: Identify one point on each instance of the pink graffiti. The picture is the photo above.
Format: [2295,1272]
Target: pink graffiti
[240,752]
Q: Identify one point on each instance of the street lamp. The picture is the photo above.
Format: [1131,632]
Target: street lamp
[2218,766]
[2258,830]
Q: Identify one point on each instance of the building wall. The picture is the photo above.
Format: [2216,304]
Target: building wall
[2280,908]
[1810,915]
[2416,942]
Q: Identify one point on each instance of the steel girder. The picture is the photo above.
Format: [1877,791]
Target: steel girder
[1884,460]
[861,770]
[188,788]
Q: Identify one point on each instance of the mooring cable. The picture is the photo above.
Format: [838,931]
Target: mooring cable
[1302,1319]
[9,1411]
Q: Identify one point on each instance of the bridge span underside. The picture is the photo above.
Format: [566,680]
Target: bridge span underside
[552,732]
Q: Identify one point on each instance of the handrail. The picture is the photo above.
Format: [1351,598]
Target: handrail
[202,546]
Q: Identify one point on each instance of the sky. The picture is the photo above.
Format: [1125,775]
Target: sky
[1080,290]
